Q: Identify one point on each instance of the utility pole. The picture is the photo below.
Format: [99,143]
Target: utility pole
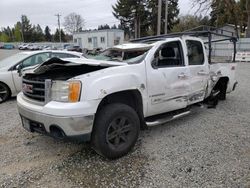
[159,17]
[166,17]
[248,18]
[58,20]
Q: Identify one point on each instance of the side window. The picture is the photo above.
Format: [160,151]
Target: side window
[102,39]
[64,55]
[35,59]
[195,52]
[169,55]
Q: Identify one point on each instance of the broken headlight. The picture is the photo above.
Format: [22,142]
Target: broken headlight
[66,91]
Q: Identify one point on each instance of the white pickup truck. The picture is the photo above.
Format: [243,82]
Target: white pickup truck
[106,103]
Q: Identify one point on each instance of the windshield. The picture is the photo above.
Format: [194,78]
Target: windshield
[12,60]
[108,55]
[137,59]
[118,55]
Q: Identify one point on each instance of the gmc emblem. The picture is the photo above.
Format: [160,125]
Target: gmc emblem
[27,88]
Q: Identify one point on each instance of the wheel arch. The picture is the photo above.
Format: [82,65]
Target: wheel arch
[222,80]
[9,90]
[132,98]
[7,87]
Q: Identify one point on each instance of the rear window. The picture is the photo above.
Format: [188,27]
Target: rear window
[195,52]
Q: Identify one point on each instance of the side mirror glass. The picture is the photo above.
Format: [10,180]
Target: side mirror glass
[154,63]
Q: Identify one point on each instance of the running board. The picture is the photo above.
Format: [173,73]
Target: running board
[166,119]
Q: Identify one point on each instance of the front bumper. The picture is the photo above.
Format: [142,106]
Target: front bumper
[78,127]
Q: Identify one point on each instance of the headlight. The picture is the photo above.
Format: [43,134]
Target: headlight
[66,91]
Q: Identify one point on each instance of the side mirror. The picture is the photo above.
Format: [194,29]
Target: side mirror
[19,69]
[154,62]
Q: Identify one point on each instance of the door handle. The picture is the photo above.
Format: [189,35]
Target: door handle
[182,75]
[202,72]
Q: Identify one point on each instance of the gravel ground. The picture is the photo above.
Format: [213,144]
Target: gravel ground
[209,148]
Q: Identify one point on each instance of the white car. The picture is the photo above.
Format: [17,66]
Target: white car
[23,46]
[10,81]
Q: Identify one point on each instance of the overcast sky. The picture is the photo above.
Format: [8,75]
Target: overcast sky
[95,12]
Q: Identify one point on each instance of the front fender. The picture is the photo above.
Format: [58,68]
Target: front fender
[106,85]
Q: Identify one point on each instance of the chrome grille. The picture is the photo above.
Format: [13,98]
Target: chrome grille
[34,89]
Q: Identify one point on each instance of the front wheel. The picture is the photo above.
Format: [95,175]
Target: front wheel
[116,130]
[4,92]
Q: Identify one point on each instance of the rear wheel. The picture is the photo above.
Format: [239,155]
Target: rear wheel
[116,130]
[4,92]
[223,91]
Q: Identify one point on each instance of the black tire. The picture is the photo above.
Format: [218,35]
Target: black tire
[4,92]
[116,130]
[223,91]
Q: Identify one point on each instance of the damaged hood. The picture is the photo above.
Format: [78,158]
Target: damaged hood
[67,62]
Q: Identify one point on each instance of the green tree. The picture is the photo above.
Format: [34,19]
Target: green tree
[173,13]
[4,37]
[37,34]
[17,32]
[48,36]
[57,36]
[139,17]
[114,27]
[188,22]
[122,11]
[101,27]
[236,12]
[225,12]
[26,29]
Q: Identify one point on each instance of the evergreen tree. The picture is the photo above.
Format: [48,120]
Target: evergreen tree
[139,17]
[48,36]
[57,36]
[101,27]
[173,12]
[114,27]
[122,11]
[39,33]
[26,29]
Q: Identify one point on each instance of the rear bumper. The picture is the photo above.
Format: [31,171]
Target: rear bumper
[77,127]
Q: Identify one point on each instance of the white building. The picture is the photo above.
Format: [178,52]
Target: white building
[99,38]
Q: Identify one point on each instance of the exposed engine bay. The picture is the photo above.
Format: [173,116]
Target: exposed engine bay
[59,69]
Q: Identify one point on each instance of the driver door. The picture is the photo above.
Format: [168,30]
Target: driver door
[167,78]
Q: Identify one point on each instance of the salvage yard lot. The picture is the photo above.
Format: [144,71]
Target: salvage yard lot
[209,148]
